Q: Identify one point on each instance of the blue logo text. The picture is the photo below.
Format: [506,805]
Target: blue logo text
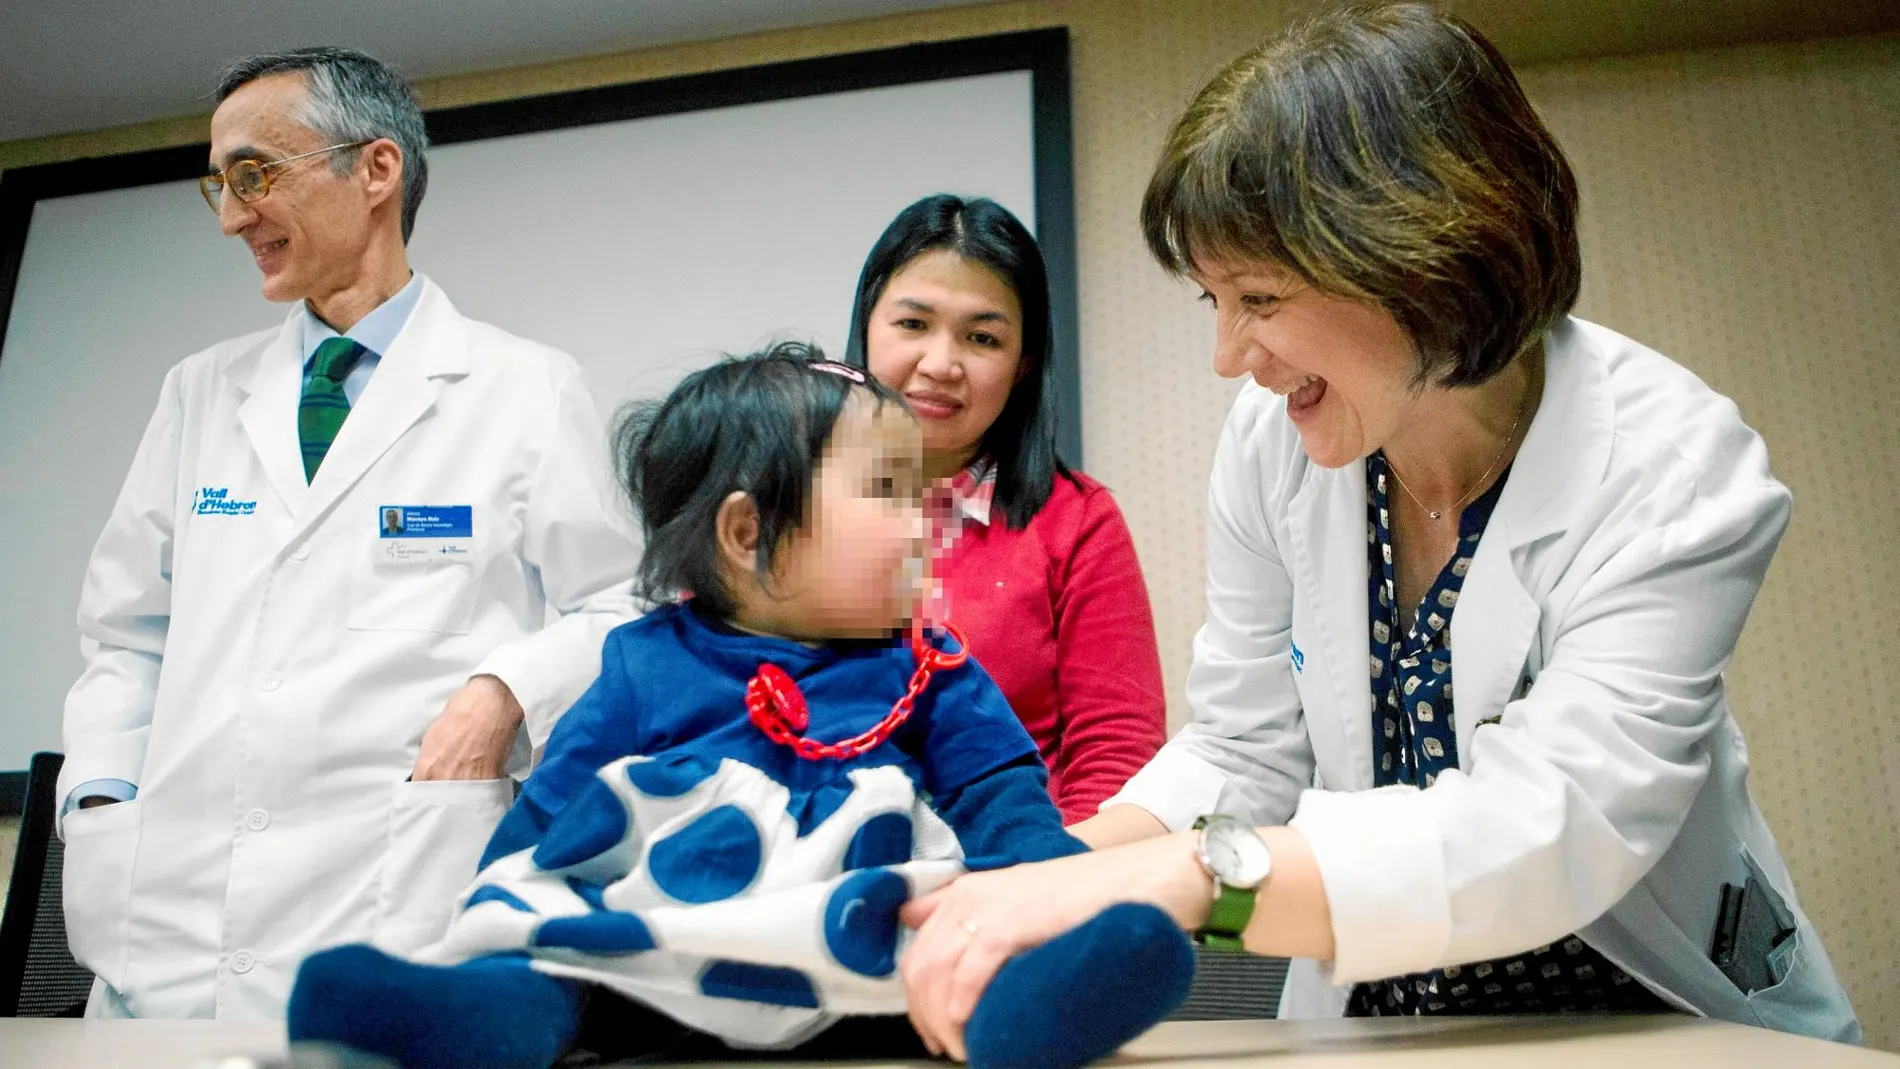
[217,501]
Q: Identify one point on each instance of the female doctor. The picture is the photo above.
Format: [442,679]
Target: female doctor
[1460,743]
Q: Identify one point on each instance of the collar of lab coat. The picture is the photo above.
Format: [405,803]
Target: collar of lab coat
[1560,464]
[1566,451]
[430,349]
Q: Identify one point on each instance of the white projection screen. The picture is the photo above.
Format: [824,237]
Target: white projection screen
[643,228]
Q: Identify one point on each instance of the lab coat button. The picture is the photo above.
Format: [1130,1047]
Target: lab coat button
[300,553]
[269,681]
[242,962]
[257,820]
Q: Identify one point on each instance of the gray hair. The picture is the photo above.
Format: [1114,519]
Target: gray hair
[353,97]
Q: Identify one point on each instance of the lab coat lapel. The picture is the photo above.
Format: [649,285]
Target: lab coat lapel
[270,378]
[1564,456]
[430,349]
[1326,545]
[1491,633]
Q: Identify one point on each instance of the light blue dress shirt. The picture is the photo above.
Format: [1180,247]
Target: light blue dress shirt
[375,332]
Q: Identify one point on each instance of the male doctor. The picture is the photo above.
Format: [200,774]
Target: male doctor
[295,715]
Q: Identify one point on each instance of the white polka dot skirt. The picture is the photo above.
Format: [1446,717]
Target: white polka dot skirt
[707,891]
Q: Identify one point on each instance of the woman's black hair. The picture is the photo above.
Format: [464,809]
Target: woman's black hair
[757,424]
[1022,441]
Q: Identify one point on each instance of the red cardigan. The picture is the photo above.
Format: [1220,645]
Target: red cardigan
[1058,613]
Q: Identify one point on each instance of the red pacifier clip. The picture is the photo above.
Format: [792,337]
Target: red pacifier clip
[777,707]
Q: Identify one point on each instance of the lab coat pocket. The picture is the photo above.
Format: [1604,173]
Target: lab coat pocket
[1791,1004]
[96,885]
[435,595]
[437,831]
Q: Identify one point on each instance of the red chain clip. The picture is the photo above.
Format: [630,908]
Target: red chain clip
[778,709]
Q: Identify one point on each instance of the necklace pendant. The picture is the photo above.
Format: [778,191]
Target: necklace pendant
[1433,515]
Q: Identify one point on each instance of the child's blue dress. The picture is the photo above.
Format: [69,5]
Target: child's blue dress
[667,849]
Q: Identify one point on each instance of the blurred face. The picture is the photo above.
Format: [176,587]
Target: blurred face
[1344,366]
[309,233]
[854,568]
[947,334]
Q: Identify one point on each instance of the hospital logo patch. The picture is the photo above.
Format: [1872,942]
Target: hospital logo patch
[217,501]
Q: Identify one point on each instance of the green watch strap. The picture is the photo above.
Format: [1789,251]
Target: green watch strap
[1228,918]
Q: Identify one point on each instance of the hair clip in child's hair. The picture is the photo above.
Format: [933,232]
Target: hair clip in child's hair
[843,371]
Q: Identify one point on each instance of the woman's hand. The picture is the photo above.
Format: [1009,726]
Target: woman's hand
[968,929]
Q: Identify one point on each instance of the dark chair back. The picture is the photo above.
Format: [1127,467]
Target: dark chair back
[38,976]
[1232,985]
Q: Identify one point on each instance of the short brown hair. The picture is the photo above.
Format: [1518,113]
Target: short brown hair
[1385,153]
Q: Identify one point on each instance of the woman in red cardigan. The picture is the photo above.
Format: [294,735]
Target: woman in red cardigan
[1033,559]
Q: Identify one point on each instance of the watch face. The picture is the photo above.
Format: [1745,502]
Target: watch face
[1221,855]
[1237,854]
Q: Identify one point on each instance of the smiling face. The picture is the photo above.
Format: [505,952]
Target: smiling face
[947,333]
[311,231]
[854,567]
[1344,366]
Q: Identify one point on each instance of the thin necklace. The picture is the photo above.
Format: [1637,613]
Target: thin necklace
[1509,437]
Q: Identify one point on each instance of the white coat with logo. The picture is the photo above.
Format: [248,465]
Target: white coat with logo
[263,673]
[1602,783]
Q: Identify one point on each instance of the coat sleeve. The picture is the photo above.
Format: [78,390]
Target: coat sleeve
[1112,711]
[125,611]
[601,728]
[1245,751]
[1005,818]
[1568,800]
[579,544]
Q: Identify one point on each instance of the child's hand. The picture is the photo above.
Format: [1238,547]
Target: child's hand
[472,737]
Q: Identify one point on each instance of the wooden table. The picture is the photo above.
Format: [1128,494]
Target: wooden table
[1444,1043]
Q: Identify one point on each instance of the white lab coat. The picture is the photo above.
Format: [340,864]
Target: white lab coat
[264,675]
[1601,608]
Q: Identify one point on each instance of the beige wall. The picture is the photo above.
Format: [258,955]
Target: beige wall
[1740,216]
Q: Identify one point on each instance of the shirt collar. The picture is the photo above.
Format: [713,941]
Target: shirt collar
[973,490]
[375,331]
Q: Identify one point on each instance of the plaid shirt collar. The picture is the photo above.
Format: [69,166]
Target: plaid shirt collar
[957,501]
[973,490]
[951,503]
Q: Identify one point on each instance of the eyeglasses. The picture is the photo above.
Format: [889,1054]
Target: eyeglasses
[249,180]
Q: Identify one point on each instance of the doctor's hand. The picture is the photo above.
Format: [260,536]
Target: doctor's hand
[472,737]
[969,928]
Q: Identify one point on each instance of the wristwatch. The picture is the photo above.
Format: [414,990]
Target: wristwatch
[1236,858]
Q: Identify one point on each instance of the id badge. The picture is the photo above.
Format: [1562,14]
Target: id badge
[417,534]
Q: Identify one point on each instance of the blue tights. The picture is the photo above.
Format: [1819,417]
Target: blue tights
[1062,1005]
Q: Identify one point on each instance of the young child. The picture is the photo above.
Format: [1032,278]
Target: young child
[722,830]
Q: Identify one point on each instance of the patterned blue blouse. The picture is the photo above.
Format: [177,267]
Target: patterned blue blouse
[1413,742]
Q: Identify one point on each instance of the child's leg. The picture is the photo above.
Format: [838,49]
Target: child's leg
[1082,995]
[490,1013]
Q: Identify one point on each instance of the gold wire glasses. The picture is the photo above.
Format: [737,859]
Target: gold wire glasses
[249,180]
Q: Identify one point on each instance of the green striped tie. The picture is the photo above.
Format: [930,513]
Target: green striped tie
[321,412]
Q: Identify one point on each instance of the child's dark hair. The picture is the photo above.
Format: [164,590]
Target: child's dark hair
[756,423]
